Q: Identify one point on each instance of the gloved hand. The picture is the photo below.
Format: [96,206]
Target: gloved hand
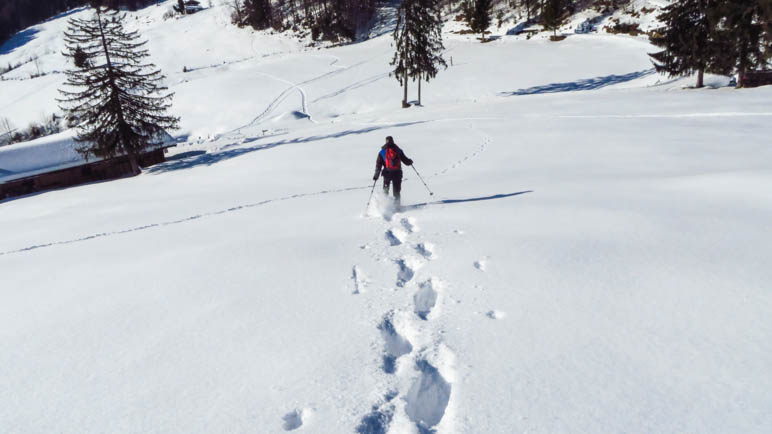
[409,162]
[375,177]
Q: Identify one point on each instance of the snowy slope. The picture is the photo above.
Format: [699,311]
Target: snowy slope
[595,257]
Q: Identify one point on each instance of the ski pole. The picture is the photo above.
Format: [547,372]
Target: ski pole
[371,195]
[422,180]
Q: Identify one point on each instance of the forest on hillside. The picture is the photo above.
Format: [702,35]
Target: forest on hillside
[16,15]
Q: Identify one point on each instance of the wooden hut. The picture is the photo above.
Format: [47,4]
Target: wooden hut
[757,78]
[52,162]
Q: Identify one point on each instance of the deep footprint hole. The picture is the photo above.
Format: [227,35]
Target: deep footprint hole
[293,420]
[395,345]
[428,397]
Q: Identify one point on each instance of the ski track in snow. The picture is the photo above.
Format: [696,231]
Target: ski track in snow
[674,115]
[408,224]
[182,220]
[279,99]
[294,86]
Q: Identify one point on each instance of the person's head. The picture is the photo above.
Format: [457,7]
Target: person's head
[389,140]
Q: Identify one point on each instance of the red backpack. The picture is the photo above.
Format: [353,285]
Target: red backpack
[390,157]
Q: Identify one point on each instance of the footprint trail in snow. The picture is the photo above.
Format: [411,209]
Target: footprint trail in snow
[417,391]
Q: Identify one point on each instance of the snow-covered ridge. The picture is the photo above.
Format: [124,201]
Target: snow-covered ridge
[206,48]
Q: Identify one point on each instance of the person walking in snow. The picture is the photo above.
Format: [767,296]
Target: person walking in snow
[389,165]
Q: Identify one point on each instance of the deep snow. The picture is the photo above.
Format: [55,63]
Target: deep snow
[596,257]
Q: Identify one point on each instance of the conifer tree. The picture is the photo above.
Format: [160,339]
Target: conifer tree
[418,38]
[116,99]
[553,14]
[687,39]
[403,40]
[766,7]
[259,13]
[428,49]
[741,25]
[529,7]
[79,57]
[478,15]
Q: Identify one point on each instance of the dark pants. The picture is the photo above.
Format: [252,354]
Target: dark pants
[395,178]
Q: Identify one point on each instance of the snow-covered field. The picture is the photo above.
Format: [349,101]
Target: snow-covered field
[596,256]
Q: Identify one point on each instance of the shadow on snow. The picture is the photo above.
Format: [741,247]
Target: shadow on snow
[473,199]
[586,84]
[18,40]
[192,159]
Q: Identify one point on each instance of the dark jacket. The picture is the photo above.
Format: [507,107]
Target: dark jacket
[379,163]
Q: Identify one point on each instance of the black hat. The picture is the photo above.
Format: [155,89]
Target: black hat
[389,140]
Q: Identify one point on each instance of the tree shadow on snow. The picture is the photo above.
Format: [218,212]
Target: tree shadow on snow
[473,199]
[18,40]
[194,159]
[586,84]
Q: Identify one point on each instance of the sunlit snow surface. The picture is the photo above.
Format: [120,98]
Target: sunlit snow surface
[595,257]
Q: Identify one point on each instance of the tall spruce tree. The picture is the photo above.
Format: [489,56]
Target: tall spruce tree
[259,13]
[418,40]
[687,39]
[766,7]
[478,15]
[741,25]
[552,14]
[529,7]
[403,35]
[118,103]
[428,49]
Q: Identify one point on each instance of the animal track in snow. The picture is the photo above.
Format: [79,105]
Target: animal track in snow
[426,250]
[428,397]
[407,268]
[294,419]
[495,314]
[396,236]
[466,158]
[481,264]
[425,298]
[409,224]
[396,345]
[359,278]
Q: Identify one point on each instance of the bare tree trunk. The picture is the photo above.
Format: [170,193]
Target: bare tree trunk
[700,78]
[134,165]
[404,78]
[404,95]
[419,89]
